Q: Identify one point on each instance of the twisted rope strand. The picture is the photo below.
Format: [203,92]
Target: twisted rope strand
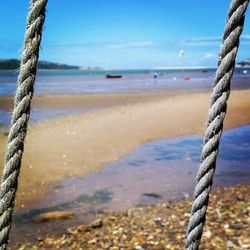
[20,116]
[216,115]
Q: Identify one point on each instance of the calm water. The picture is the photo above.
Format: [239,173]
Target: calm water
[155,172]
[75,82]
[39,114]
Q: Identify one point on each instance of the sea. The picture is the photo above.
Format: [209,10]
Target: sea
[53,82]
[73,82]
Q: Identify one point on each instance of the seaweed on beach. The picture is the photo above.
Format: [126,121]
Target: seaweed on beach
[99,196]
[153,195]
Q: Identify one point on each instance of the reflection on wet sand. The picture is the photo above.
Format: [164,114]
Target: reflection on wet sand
[155,172]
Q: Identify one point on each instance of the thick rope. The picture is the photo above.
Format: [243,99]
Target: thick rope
[20,116]
[216,115]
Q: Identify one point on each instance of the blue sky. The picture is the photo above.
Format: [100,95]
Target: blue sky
[124,33]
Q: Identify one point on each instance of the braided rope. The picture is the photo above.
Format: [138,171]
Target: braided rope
[216,115]
[20,116]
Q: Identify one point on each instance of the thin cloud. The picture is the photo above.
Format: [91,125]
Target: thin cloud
[209,56]
[139,44]
[201,41]
[245,40]
[207,41]
[204,39]
[192,42]
[136,44]
[245,37]
[74,45]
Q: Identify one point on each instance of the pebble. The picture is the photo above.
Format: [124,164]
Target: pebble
[97,223]
[160,227]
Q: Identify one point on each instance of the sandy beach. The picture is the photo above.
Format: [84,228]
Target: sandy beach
[84,100]
[112,139]
[79,144]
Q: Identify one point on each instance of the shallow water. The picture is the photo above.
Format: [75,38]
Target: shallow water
[155,172]
[77,82]
[40,114]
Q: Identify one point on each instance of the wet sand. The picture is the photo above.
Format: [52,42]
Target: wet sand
[85,100]
[80,144]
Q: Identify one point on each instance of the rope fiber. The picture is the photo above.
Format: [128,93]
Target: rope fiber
[214,126]
[20,116]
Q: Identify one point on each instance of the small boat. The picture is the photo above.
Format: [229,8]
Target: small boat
[113,76]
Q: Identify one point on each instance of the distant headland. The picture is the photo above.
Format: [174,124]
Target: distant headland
[245,63]
[13,64]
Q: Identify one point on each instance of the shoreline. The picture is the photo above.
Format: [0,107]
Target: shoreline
[81,144]
[87,100]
